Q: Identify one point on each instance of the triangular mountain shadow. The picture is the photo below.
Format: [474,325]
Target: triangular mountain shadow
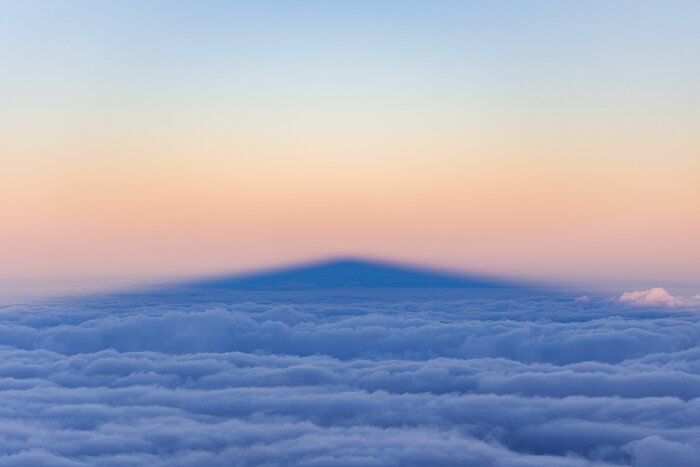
[342,273]
[342,280]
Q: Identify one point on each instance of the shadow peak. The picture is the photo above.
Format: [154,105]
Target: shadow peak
[348,272]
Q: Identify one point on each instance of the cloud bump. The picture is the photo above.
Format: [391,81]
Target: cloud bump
[657,297]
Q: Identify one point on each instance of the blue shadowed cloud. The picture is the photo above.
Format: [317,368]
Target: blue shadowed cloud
[349,363]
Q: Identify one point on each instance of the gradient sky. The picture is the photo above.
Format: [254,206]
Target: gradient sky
[162,139]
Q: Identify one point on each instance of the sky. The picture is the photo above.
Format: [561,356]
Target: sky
[157,140]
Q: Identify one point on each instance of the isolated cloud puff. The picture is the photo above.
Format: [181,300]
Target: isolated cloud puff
[657,296]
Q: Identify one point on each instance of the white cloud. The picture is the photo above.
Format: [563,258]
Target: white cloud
[657,297]
[649,298]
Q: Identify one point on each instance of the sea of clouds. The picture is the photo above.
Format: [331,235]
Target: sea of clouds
[351,379]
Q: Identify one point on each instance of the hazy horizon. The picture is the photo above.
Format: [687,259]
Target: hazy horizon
[51,288]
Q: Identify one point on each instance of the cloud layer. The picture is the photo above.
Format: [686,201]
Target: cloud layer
[336,380]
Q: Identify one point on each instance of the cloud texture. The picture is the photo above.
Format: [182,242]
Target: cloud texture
[652,297]
[334,380]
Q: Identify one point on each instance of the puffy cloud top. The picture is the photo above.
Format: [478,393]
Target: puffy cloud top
[653,297]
